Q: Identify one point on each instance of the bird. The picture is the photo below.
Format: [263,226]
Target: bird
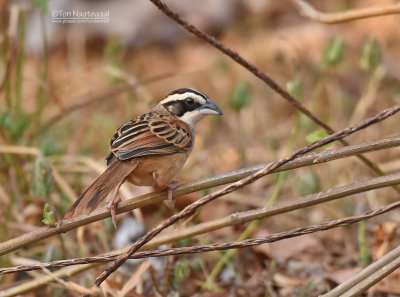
[149,150]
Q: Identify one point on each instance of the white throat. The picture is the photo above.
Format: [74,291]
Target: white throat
[192,117]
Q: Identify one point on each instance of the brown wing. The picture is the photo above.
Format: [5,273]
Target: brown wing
[160,135]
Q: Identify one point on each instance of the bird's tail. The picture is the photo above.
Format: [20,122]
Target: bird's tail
[101,187]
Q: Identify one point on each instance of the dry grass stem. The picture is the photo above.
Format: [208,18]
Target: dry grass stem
[369,276]
[255,71]
[190,209]
[234,219]
[308,11]
[222,179]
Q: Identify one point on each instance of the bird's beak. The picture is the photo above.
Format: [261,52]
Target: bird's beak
[210,108]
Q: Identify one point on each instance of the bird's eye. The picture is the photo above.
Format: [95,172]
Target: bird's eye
[189,101]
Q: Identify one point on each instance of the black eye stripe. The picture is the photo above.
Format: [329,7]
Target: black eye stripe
[180,107]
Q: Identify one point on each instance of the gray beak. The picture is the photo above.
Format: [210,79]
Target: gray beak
[210,108]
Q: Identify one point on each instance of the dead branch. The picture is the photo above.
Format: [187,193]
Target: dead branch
[218,180]
[254,70]
[369,276]
[308,11]
[190,209]
[213,247]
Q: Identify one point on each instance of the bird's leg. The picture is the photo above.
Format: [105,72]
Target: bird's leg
[170,187]
[112,204]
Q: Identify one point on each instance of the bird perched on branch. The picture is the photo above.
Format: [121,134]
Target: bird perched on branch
[149,150]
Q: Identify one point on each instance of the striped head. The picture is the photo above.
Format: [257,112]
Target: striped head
[189,105]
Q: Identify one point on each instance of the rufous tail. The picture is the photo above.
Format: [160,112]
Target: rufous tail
[101,187]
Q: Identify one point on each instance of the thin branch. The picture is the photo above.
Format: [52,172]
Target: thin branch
[368,276]
[213,247]
[190,209]
[373,279]
[308,11]
[44,280]
[283,207]
[218,180]
[254,70]
[216,224]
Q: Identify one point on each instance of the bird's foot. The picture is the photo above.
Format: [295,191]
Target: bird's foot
[170,187]
[112,205]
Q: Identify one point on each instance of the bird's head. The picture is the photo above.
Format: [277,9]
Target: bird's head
[189,105]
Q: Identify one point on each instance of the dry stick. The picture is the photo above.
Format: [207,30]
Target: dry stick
[166,238]
[234,219]
[253,69]
[368,276]
[222,179]
[43,280]
[368,282]
[190,209]
[206,248]
[308,11]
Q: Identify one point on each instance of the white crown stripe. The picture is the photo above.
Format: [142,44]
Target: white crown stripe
[183,96]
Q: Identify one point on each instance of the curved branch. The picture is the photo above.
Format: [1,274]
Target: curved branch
[218,180]
[255,71]
[190,209]
[212,247]
[308,11]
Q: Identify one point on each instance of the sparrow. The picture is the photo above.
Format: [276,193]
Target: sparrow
[149,150]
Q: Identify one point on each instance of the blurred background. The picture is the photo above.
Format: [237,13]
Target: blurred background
[66,87]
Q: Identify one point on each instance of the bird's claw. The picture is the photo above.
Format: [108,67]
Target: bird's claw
[112,206]
[171,186]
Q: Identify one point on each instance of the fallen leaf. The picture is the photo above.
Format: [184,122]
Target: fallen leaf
[288,248]
[342,275]
[135,278]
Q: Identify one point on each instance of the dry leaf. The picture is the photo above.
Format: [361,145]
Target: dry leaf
[342,275]
[288,248]
[383,238]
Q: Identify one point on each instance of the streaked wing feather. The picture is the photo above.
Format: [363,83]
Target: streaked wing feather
[147,136]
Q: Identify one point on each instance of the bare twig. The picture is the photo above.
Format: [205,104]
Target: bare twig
[254,70]
[190,209]
[212,247]
[369,276]
[43,280]
[222,179]
[216,224]
[308,11]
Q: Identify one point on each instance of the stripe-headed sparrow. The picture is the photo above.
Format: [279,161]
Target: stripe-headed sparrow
[149,150]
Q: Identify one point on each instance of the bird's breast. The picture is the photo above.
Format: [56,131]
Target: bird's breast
[157,170]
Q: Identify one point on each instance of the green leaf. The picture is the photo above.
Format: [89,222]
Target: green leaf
[370,56]
[334,51]
[42,182]
[305,123]
[241,96]
[181,270]
[113,49]
[50,146]
[14,124]
[274,143]
[316,135]
[308,183]
[48,218]
[43,5]
[365,255]
[295,87]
